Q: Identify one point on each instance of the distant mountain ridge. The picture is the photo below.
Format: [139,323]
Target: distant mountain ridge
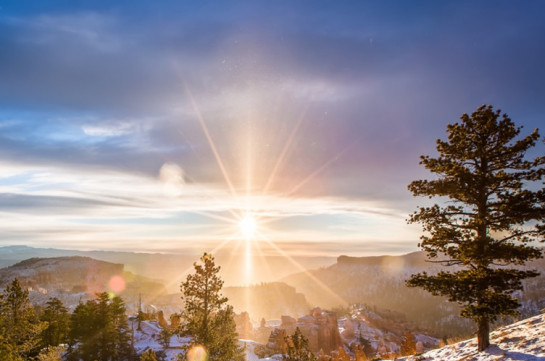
[154,266]
[74,278]
[413,259]
[172,268]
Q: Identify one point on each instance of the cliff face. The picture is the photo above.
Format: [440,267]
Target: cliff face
[65,274]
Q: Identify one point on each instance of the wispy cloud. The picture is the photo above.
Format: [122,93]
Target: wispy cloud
[113,207]
[109,130]
[318,112]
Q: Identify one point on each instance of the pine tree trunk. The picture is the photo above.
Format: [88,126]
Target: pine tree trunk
[483,338]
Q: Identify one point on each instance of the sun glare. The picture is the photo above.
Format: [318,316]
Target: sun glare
[248,225]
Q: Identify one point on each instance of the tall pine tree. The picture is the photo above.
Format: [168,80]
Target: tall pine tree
[484,228]
[208,320]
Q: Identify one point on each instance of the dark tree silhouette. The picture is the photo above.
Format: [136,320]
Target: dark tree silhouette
[484,229]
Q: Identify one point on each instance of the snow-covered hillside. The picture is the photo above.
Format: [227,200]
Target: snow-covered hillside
[383,329]
[521,341]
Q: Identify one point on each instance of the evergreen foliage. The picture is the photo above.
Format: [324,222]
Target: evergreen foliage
[19,327]
[57,319]
[485,227]
[207,318]
[297,348]
[148,355]
[99,330]
[51,353]
[164,337]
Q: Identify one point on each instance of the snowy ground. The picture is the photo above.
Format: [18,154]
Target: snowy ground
[147,338]
[521,341]
[249,346]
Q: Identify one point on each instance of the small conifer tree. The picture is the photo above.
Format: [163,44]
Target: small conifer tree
[207,318]
[164,337]
[365,344]
[297,348]
[148,355]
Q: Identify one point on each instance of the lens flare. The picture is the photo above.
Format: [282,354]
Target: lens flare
[197,353]
[117,284]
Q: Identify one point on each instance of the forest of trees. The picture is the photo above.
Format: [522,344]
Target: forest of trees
[99,329]
[96,330]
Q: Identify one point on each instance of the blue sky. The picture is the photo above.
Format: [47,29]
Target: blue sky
[154,126]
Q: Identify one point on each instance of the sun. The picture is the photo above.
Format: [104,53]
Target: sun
[248,225]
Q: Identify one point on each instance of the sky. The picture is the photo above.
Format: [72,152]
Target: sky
[160,125]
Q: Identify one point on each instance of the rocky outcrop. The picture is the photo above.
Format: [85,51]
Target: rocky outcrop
[319,327]
[175,321]
[161,320]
